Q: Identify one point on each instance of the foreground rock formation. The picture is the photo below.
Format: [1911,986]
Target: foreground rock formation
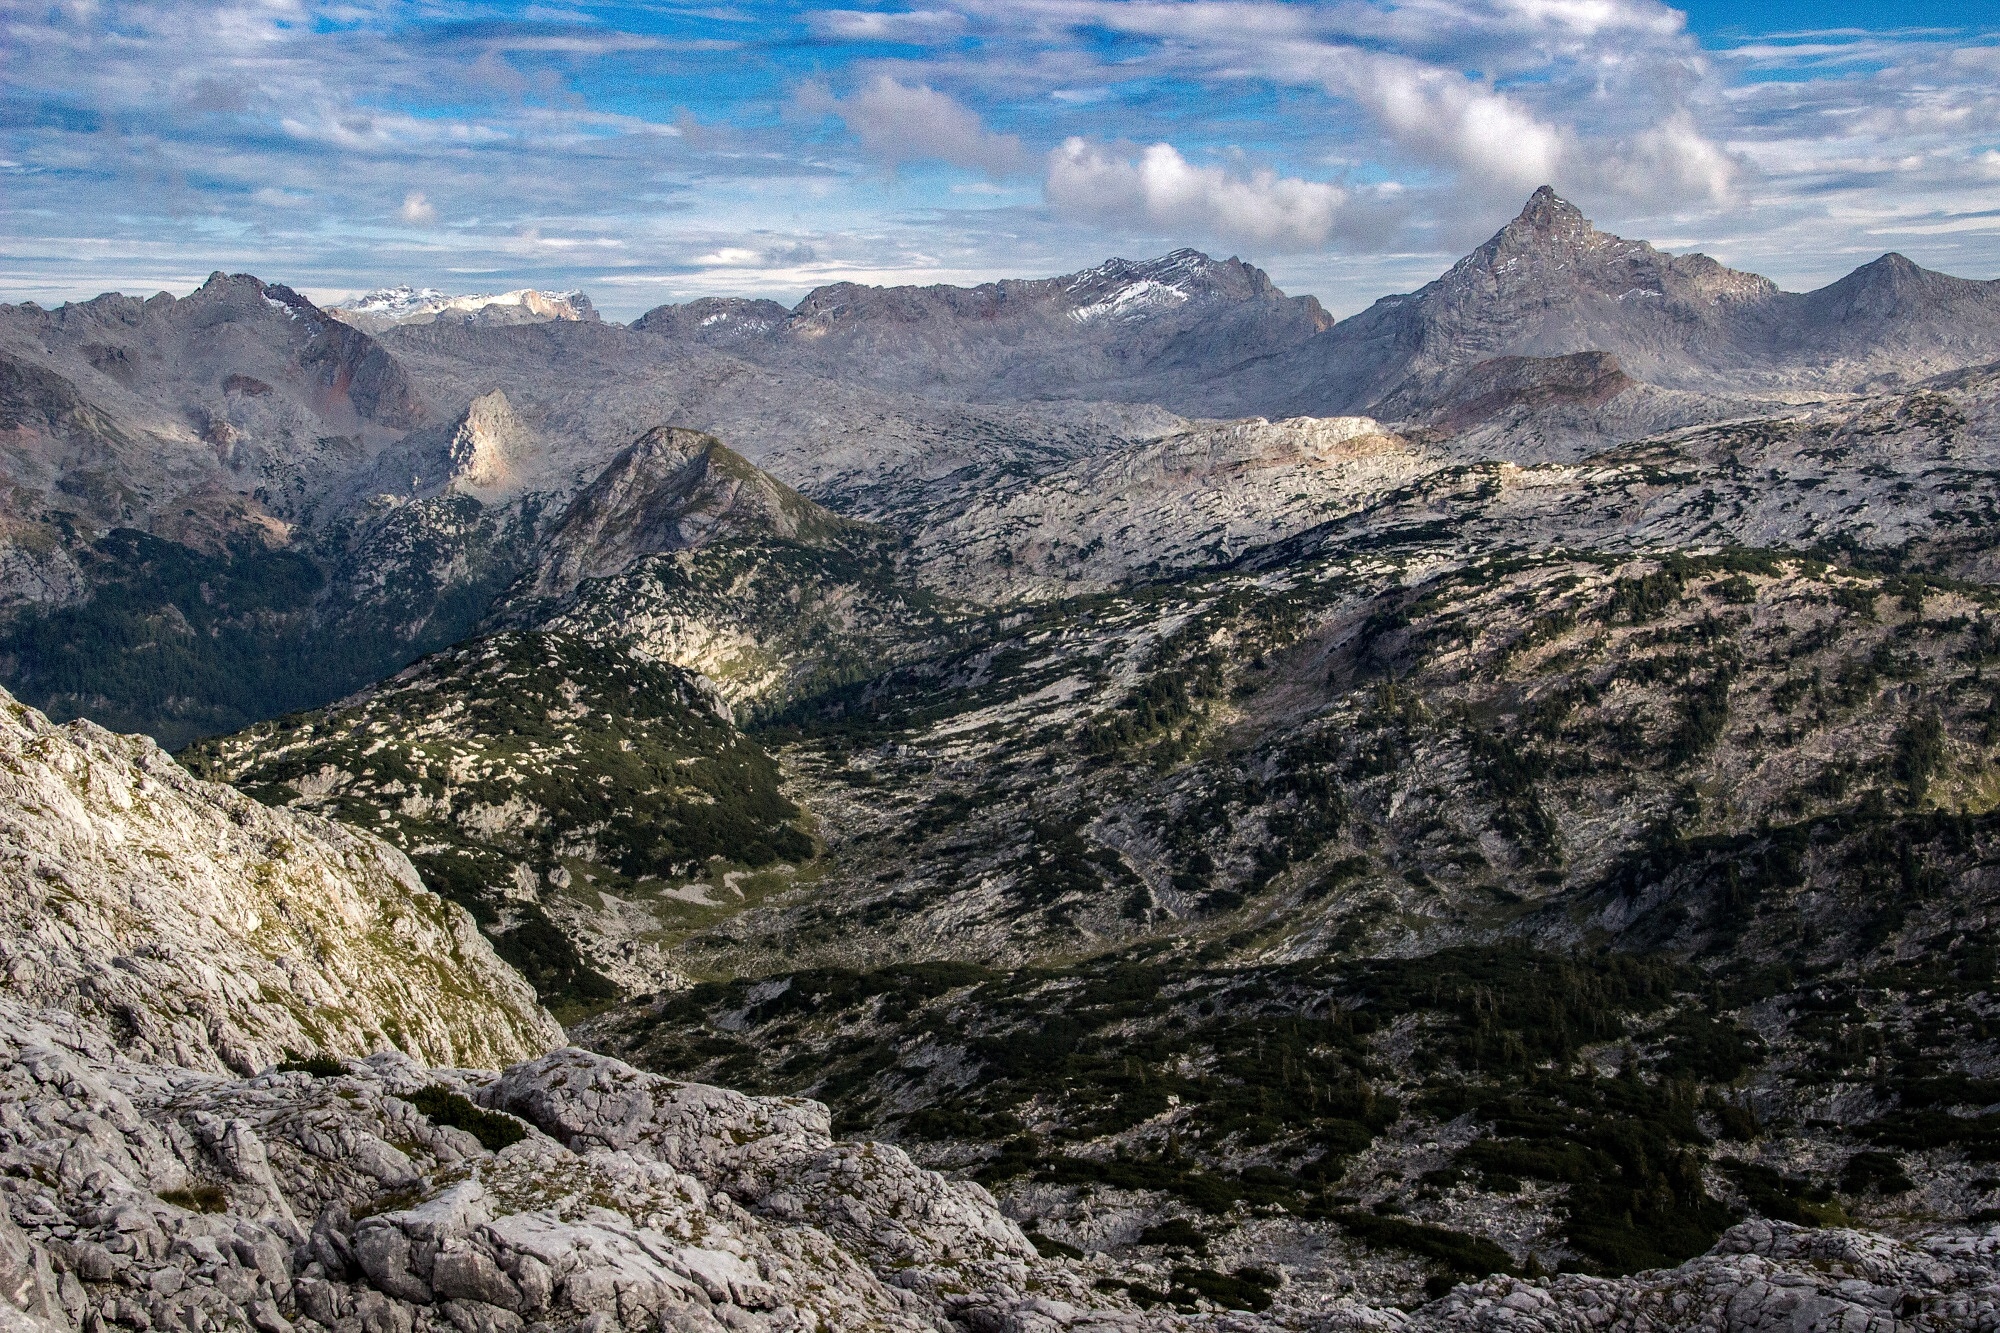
[195,927]
[155,1197]
[354,1198]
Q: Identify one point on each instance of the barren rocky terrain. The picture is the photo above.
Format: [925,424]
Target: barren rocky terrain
[1115,801]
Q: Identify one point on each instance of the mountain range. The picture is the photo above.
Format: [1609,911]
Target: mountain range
[1475,814]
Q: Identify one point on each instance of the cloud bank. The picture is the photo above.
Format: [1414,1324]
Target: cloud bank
[649,152]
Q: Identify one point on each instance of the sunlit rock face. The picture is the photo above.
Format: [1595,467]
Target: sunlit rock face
[192,926]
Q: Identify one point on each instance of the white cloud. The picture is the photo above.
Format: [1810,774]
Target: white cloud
[916,25]
[1488,98]
[1163,188]
[898,123]
[1672,161]
[1440,115]
[1591,17]
[417,210]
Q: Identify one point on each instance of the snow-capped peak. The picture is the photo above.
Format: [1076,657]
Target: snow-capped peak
[386,307]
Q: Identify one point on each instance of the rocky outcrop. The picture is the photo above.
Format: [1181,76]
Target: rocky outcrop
[355,1199]
[1761,1275]
[1193,499]
[191,925]
[778,1156]
[489,450]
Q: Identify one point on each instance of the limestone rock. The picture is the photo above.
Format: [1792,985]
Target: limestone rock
[489,449]
[1192,499]
[193,926]
[143,1215]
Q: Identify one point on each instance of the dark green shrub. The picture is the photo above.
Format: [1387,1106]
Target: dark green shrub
[1783,1198]
[1466,1256]
[197,1198]
[1245,1289]
[445,1107]
[1176,1233]
[1875,1173]
[1051,1248]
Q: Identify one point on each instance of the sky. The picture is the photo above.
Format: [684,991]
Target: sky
[651,152]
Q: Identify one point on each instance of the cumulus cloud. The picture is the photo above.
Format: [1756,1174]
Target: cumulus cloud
[1440,115]
[417,210]
[1671,161]
[1496,95]
[1161,187]
[898,122]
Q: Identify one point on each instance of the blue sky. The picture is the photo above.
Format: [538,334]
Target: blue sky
[649,152]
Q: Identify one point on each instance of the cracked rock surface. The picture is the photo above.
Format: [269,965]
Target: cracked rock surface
[149,1197]
[199,928]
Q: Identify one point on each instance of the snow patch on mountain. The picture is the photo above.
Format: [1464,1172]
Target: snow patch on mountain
[1120,289]
[1135,301]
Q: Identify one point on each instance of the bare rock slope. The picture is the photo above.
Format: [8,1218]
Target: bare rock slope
[194,926]
[1194,499]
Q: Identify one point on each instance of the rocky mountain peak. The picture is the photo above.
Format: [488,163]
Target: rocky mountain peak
[670,490]
[1551,248]
[1126,289]
[241,294]
[489,445]
[1550,218]
[1892,272]
[1894,288]
[1549,228]
[716,319]
[1123,289]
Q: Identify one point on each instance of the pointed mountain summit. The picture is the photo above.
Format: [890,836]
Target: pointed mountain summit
[672,490]
[1550,284]
[1551,251]
[1887,287]
[1549,215]
[490,449]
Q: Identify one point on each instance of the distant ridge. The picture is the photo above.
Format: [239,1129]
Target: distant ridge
[387,307]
